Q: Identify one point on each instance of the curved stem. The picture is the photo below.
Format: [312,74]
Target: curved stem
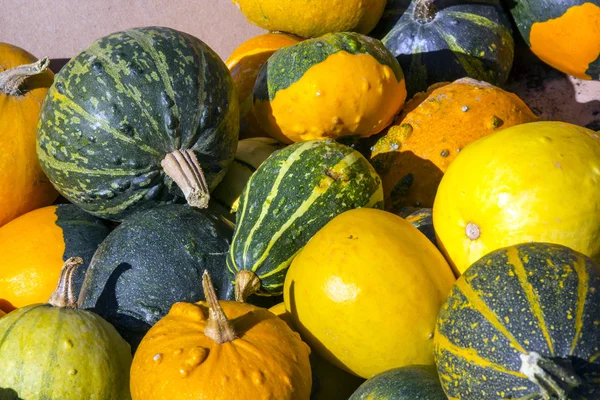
[218,328]
[12,79]
[183,167]
[424,11]
[246,284]
[554,380]
[62,296]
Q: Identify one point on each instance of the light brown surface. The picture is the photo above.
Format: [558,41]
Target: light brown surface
[62,28]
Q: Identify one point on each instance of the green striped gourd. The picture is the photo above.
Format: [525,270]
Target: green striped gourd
[56,351]
[522,322]
[140,117]
[292,195]
[248,157]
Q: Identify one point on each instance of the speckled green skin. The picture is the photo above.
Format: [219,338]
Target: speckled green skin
[58,353]
[82,234]
[292,195]
[288,64]
[116,109]
[416,382]
[152,260]
[501,307]
[528,12]
[450,46]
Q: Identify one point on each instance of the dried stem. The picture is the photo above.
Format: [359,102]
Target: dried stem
[12,79]
[62,296]
[218,327]
[183,167]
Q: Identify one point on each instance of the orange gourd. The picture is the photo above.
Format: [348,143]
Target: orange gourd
[434,127]
[220,350]
[23,86]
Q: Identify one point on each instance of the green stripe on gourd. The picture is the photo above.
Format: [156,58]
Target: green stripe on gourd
[288,64]
[294,193]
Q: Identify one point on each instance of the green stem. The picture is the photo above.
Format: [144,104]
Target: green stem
[12,79]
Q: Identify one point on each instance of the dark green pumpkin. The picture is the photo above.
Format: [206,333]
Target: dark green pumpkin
[420,218]
[292,195]
[152,260]
[415,382]
[444,40]
[525,310]
[545,22]
[119,107]
[55,351]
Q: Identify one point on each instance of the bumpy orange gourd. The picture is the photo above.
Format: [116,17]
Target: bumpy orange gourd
[310,18]
[23,185]
[220,350]
[244,64]
[434,127]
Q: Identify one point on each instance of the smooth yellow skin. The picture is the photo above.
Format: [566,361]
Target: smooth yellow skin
[535,182]
[31,257]
[347,94]
[364,293]
[23,185]
[313,18]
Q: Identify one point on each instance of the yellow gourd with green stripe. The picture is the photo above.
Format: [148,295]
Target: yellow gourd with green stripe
[523,322]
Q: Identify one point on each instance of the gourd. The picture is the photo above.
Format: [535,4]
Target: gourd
[220,350]
[34,247]
[434,127]
[530,182]
[365,292]
[340,84]
[444,40]
[292,195]
[525,317]
[141,117]
[24,82]
[414,382]
[310,19]
[57,351]
[152,261]
[245,63]
[563,33]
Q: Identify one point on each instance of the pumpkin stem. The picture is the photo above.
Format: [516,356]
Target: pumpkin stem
[554,380]
[183,167]
[218,327]
[424,11]
[246,284]
[12,79]
[62,296]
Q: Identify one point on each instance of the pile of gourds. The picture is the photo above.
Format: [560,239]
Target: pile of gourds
[325,215]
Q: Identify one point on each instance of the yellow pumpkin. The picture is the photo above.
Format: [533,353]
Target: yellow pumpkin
[244,64]
[329,381]
[313,18]
[220,350]
[23,85]
[434,127]
[536,182]
[365,292]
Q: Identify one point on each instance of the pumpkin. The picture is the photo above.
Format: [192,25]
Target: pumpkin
[563,33]
[220,350]
[444,40]
[34,247]
[340,84]
[522,323]
[141,117]
[415,152]
[422,219]
[2,313]
[152,261]
[56,351]
[328,381]
[249,156]
[244,64]
[23,85]
[310,19]
[414,382]
[535,182]
[364,293]
[292,195]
